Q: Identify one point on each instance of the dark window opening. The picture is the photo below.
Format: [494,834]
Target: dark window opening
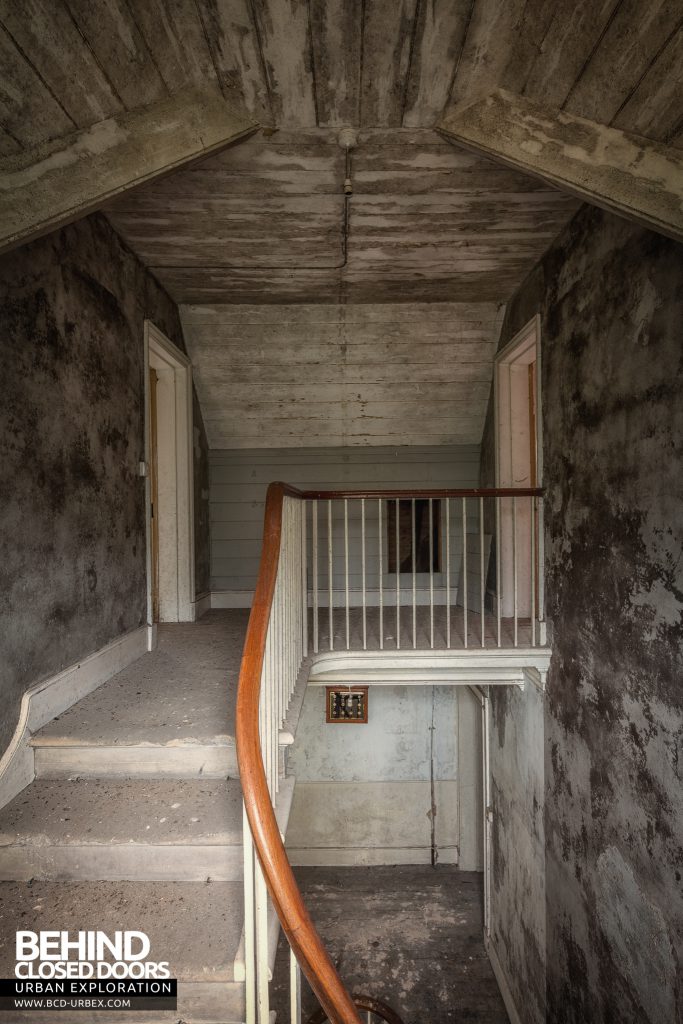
[405,535]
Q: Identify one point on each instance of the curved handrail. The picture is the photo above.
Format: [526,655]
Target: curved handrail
[313,958]
[277,871]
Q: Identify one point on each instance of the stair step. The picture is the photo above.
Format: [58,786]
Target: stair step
[169,714]
[66,758]
[195,926]
[128,830]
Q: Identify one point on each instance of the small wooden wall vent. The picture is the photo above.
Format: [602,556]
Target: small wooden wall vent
[348,704]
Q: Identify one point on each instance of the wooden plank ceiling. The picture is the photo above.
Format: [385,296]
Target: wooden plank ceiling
[257,237]
[330,375]
[65,64]
[266,223]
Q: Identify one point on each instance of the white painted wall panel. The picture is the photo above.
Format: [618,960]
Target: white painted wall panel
[337,824]
[239,480]
[364,792]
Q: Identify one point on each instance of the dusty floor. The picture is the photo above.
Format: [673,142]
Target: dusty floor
[183,692]
[411,936]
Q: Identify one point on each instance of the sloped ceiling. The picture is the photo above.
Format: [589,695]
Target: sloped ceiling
[252,240]
[331,375]
[308,63]
[266,221]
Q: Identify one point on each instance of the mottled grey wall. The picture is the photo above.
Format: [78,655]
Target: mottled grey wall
[610,297]
[72,517]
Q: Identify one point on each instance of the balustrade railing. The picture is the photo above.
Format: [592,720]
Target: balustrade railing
[361,570]
[468,569]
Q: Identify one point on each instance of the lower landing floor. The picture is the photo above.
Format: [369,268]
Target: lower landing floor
[411,936]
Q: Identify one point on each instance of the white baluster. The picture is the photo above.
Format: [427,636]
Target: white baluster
[381,573]
[263,722]
[286,607]
[363,570]
[464,567]
[346,570]
[540,611]
[329,572]
[514,566]
[532,502]
[431,573]
[482,581]
[294,989]
[414,568]
[249,921]
[262,969]
[448,572]
[498,593]
[314,554]
[304,579]
[398,580]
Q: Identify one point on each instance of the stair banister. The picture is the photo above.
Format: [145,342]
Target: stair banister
[301,933]
[281,602]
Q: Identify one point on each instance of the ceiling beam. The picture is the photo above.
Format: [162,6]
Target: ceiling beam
[48,186]
[621,172]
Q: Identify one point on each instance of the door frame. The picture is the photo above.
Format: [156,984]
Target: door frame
[178,601]
[524,344]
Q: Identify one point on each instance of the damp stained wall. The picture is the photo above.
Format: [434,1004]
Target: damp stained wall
[72,516]
[610,296]
[405,788]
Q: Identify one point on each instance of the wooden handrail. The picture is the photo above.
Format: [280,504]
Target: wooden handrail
[301,933]
[279,877]
[406,493]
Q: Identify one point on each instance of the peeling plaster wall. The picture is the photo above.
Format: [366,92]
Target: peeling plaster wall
[369,794]
[610,297]
[72,518]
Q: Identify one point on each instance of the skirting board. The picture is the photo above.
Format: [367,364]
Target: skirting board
[364,856]
[202,604]
[502,982]
[232,598]
[49,698]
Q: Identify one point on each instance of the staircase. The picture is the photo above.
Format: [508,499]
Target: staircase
[134,821]
[134,818]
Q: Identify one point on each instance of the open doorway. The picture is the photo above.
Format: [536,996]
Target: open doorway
[168,457]
[519,465]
